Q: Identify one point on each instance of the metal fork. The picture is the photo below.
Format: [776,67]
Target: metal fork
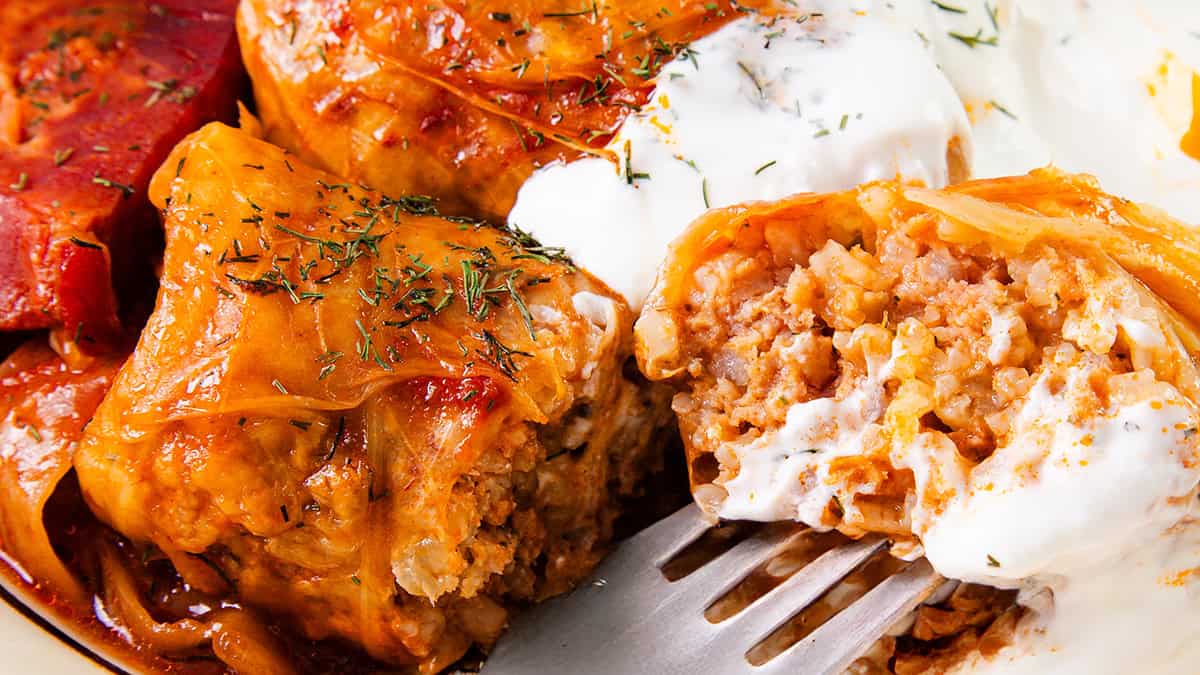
[628,618]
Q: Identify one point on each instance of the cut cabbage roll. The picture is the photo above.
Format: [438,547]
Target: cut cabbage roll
[1000,375]
[826,345]
[458,100]
[382,425]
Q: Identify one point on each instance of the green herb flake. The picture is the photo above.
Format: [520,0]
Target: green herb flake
[948,8]
[61,156]
[85,243]
[1004,111]
[126,190]
[973,40]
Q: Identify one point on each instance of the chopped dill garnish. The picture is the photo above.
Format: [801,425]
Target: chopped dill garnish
[750,74]
[337,438]
[948,8]
[1002,109]
[499,355]
[581,12]
[84,243]
[520,303]
[976,39]
[126,190]
[630,174]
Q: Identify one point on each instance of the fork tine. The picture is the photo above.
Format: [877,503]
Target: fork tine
[672,534]
[716,577]
[770,611]
[839,641]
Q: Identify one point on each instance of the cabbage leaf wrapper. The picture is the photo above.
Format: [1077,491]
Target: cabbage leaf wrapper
[383,425]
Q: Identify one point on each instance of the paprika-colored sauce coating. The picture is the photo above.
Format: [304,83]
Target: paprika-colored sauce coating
[364,420]
[94,95]
[453,99]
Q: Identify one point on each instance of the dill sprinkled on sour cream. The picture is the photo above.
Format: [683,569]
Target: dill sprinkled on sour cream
[976,39]
[948,8]
[1005,111]
[765,77]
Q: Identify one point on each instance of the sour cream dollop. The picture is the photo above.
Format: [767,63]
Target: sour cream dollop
[1093,517]
[1106,87]
[1094,523]
[761,109]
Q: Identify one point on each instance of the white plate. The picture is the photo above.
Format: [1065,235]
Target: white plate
[32,645]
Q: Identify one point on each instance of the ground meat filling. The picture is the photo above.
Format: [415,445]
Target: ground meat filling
[976,331]
[962,331]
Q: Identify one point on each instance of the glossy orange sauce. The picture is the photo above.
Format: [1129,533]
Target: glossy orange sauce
[1190,142]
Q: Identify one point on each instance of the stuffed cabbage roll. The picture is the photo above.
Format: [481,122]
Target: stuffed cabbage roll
[381,425]
[94,94]
[455,99]
[1000,375]
[44,406]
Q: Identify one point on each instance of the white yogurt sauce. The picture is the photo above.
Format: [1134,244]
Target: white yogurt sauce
[1106,87]
[767,109]
[1000,328]
[1099,513]
[784,474]
[1092,520]
[1098,86]
[1089,514]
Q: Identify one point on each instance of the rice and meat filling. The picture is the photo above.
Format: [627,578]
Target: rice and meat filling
[999,376]
[955,336]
